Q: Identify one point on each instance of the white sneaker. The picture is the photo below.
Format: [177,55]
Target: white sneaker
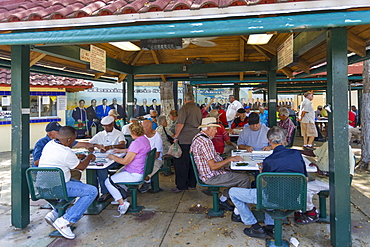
[114,202]
[122,209]
[51,217]
[64,228]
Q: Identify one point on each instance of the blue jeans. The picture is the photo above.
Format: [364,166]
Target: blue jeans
[240,197]
[102,175]
[86,193]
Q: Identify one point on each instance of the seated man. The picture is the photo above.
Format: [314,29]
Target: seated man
[286,123]
[109,138]
[240,120]
[281,160]
[153,118]
[58,153]
[253,137]
[319,181]
[155,140]
[125,128]
[211,166]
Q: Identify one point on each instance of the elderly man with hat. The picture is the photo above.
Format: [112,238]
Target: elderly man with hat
[253,137]
[109,138]
[211,166]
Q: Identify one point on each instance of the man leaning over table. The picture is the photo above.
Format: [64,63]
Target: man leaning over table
[109,138]
[58,153]
[211,166]
[253,137]
[52,130]
[281,160]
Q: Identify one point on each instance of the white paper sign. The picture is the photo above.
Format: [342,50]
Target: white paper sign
[62,103]
[85,55]
[285,53]
[45,100]
[97,59]
[6,101]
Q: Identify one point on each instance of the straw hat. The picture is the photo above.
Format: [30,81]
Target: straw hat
[213,113]
[209,122]
[113,112]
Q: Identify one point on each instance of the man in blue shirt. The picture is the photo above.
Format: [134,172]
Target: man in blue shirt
[281,160]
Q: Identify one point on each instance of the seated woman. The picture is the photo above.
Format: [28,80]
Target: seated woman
[240,120]
[133,162]
[165,133]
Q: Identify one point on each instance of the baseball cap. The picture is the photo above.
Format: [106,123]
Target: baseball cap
[240,110]
[53,126]
[107,120]
[254,118]
[247,107]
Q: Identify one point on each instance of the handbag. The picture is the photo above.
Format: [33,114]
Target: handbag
[175,150]
[121,190]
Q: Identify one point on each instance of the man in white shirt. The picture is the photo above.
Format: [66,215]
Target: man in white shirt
[110,138]
[155,140]
[307,119]
[58,153]
[231,109]
[125,128]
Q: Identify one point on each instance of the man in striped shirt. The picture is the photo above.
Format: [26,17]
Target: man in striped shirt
[286,123]
[210,165]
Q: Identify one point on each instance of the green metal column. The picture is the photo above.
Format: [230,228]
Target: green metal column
[272,97]
[175,88]
[130,95]
[20,57]
[337,97]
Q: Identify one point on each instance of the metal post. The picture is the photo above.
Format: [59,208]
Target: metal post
[237,93]
[175,86]
[359,105]
[272,97]
[124,103]
[20,57]
[130,95]
[339,179]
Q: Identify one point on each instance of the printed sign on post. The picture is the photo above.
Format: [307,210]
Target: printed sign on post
[97,59]
[285,53]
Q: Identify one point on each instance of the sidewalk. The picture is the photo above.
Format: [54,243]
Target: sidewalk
[171,219]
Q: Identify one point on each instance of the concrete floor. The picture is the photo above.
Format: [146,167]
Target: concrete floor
[171,219]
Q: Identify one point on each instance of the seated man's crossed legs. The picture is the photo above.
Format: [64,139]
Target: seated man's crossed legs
[229,179]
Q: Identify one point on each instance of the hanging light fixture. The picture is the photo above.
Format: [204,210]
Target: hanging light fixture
[126,46]
[259,39]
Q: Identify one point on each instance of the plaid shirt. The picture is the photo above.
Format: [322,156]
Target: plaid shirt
[203,151]
[289,126]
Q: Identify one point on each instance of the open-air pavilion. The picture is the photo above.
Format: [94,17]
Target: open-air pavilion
[53,37]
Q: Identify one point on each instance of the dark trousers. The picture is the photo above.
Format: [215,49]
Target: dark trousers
[184,170]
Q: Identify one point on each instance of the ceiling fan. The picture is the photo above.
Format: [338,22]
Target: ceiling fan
[203,42]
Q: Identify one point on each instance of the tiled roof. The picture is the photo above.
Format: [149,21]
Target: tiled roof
[41,80]
[29,10]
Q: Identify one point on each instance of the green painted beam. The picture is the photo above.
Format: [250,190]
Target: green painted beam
[5,64]
[197,28]
[272,98]
[305,41]
[164,69]
[72,53]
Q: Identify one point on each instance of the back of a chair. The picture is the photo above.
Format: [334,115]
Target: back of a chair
[128,140]
[291,143]
[46,183]
[285,191]
[149,162]
[196,173]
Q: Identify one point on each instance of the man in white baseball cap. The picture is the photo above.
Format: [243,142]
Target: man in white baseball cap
[110,138]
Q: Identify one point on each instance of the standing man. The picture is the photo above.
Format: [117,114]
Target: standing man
[307,119]
[102,110]
[109,138]
[91,116]
[136,108]
[231,109]
[190,117]
[118,108]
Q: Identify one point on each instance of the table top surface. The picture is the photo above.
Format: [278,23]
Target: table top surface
[101,162]
[252,159]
